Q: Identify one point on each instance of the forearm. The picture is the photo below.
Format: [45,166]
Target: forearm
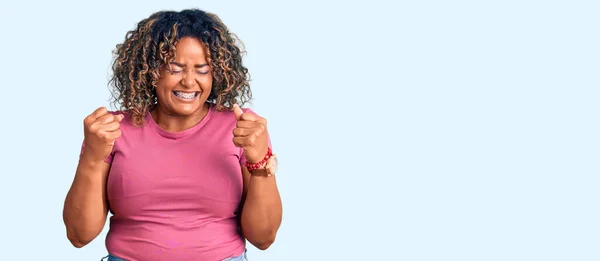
[262,211]
[85,206]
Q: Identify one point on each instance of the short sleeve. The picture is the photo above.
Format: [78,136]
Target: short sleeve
[242,156]
[107,159]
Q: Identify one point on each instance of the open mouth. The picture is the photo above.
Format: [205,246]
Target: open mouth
[186,95]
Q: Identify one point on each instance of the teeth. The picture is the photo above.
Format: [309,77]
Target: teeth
[185,95]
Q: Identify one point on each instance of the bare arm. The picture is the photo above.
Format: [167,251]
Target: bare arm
[261,203]
[261,211]
[86,205]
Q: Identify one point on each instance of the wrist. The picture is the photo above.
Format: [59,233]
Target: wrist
[252,165]
[266,169]
[89,161]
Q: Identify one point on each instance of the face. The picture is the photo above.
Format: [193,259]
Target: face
[184,90]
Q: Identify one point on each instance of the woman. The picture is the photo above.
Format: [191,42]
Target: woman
[186,173]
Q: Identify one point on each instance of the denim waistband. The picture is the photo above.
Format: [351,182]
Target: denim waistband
[241,257]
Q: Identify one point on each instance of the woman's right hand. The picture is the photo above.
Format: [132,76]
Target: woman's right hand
[101,129]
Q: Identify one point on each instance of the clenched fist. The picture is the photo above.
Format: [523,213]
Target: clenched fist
[101,129]
[251,134]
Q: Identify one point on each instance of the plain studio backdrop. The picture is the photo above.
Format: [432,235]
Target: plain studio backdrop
[411,130]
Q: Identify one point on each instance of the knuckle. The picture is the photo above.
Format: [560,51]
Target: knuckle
[89,120]
[93,128]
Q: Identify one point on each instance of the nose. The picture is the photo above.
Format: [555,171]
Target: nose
[188,79]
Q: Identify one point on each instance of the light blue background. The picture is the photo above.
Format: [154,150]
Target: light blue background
[421,130]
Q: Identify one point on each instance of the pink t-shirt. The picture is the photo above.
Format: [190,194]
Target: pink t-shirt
[176,196]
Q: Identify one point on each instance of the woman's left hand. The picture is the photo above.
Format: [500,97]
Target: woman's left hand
[251,134]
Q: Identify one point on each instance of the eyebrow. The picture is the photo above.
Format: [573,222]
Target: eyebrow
[183,66]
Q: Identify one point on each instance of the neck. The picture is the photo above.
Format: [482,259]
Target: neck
[175,123]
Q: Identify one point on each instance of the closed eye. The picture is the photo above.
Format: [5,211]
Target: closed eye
[176,69]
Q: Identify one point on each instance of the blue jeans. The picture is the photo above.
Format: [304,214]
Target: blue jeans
[241,257]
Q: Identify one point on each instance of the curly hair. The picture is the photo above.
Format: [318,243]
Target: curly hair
[150,46]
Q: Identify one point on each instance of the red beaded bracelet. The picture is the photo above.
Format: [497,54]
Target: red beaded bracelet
[253,166]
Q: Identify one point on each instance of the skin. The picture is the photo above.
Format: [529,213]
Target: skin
[86,205]
[262,209]
[189,72]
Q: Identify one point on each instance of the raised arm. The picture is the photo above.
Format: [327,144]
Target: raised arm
[86,205]
[261,207]
[261,210]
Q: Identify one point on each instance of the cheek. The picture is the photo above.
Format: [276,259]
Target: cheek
[206,84]
[160,89]
[165,84]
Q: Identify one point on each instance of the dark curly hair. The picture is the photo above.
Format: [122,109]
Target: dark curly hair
[146,49]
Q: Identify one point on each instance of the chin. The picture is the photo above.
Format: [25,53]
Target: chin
[187,109]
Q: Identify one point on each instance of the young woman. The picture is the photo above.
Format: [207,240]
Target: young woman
[186,173]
